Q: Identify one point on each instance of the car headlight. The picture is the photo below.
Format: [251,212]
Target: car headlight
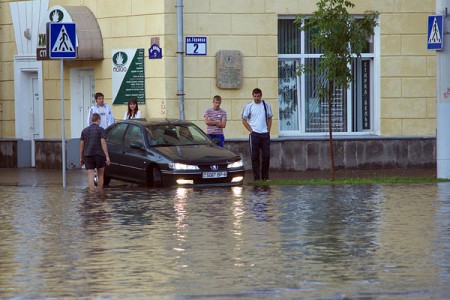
[177,166]
[236,164]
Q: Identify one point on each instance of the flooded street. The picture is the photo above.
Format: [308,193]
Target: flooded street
[279,242]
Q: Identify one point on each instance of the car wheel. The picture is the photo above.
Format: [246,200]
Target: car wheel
[155,178]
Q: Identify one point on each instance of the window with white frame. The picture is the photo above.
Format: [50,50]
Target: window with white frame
[301,111]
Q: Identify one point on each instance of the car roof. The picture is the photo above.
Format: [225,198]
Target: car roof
[157,121]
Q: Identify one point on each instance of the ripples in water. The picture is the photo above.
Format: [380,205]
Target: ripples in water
[327,242]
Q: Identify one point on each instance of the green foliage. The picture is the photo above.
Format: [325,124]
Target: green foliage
[340,36]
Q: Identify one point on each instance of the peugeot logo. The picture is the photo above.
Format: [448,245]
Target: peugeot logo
[214,167]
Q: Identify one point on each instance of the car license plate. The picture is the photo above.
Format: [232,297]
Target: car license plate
[215,174]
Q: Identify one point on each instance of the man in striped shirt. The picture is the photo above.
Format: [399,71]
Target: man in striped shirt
[216,120]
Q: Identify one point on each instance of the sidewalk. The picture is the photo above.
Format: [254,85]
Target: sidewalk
[78,177]
[42,177]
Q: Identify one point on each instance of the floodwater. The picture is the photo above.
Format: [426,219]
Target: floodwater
[290,242]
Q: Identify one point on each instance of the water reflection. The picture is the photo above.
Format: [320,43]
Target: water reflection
[441,238]
[259,203]
[334,229]
[371,242]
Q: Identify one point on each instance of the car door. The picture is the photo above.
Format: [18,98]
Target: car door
[115,149]
[133,161]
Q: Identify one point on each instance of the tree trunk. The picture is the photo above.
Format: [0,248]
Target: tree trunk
[330,128]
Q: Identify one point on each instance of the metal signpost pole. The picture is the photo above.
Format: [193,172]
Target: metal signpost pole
[63,127]
[62,43]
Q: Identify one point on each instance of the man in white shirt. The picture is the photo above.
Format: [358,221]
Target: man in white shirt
[103,109]
[257,118]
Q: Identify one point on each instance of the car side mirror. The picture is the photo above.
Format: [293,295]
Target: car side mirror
[216,141]
[136,145]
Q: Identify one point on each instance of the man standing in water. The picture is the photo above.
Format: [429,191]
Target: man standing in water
[94,152]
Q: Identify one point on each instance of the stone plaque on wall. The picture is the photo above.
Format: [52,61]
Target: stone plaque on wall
[229,69]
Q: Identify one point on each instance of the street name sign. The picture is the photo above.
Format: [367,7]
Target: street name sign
[196,45]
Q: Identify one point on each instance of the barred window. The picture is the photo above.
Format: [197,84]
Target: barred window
[301,111]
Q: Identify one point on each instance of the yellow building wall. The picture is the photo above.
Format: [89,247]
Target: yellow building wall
[7,49]
[407,69]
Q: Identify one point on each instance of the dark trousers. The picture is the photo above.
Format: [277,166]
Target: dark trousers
[260,146]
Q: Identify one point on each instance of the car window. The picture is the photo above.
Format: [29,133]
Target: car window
[115,134]
[196,135]
[133,134]
[176,135]
[170,136]
[155,136]
[185,135]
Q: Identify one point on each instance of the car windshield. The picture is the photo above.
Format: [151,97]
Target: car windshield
[176,135]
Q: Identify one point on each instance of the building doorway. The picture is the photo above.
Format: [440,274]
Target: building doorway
[28,104]
[82,98]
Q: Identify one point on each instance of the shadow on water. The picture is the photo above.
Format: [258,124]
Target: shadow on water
[293,242]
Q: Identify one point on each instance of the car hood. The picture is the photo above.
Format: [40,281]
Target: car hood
[198,154]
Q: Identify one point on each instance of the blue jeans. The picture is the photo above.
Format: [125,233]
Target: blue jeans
[219,137]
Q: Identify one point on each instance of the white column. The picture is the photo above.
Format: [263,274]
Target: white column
[443,95]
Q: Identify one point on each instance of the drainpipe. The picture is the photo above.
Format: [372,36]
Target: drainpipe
[180,53]
[442,96]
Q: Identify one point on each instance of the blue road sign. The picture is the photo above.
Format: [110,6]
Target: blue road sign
[62,40]
[435,33]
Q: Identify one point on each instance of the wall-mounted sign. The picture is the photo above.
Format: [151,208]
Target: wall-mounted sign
[128,77]
[154,52]
[366,122]
[41,50]
[229,69]
[41,54]
[195,45]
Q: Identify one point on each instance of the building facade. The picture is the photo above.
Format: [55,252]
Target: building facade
[229,48]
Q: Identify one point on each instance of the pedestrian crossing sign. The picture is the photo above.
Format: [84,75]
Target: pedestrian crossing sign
[435,33]
[62,40]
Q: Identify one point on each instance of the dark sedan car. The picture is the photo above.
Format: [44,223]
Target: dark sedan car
[168,152]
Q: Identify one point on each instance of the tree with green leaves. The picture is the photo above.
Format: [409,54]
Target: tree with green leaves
[341,38]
